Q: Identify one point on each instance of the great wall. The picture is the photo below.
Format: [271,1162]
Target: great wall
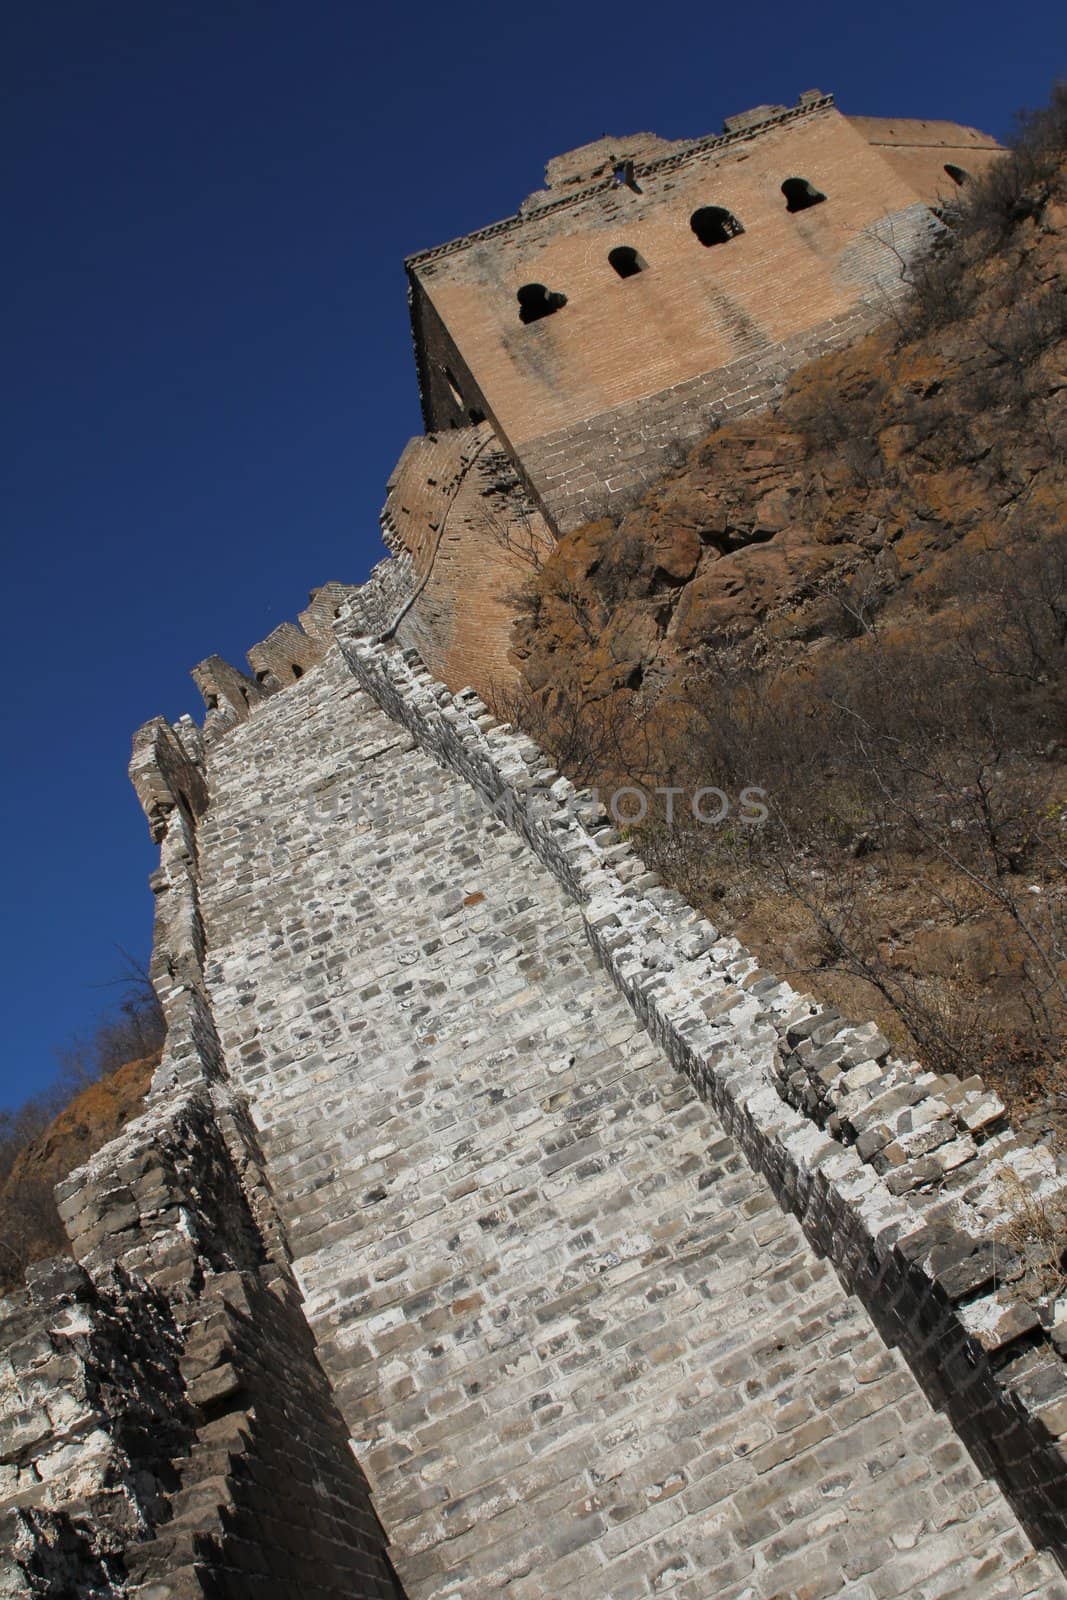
[495,1226]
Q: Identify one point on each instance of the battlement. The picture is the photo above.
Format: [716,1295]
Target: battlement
[592,168]
[230,695]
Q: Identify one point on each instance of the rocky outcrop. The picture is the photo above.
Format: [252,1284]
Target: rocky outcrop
[878,472]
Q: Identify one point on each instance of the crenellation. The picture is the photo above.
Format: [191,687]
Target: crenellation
[166,770]
[283,656]
[325,602]
[229,695]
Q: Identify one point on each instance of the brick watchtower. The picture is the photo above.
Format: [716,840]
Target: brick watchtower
[650,289]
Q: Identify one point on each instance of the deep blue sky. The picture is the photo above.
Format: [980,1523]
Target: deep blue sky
[208,368]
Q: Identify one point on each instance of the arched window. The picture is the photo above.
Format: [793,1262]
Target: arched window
[535,302]
[959,175]
[714,225]
[454,389]
[626,261]
[297,669]
[800,195]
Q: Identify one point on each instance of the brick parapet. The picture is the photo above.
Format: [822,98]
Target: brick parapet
[460,519]
[923,1253]
[699,149]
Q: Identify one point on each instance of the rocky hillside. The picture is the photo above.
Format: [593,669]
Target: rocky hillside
[859,604]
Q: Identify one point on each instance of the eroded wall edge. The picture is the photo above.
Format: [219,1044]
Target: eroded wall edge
[166,1430]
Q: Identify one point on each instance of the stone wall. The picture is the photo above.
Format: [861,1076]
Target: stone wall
[907,1199]
[565,1325]
[166,1429]
[475,1146]
[587,399]
[458,515]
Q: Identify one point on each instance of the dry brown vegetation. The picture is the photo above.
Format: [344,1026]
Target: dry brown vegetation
[101,1084]
[859,604]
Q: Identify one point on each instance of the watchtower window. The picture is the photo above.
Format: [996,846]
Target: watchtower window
[959,175]
[626,261]
[297,669]
[535,302]
[714,225]
[454,389]
[800,195]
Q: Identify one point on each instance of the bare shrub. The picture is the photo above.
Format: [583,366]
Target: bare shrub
[892,747]
[1021,185]
[135,1028]
[30,1227]
[612,577]
[982,223]
[845,425]
[1036,1230]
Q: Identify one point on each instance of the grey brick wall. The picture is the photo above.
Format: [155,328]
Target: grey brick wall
[479,1159]
[575,1339]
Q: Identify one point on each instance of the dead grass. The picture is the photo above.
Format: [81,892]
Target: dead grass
[1036,1231]
[102,1084]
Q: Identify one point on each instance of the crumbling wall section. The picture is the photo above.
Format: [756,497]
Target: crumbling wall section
[92,1415]
[166,1430]
[459,514]
[264,1495]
